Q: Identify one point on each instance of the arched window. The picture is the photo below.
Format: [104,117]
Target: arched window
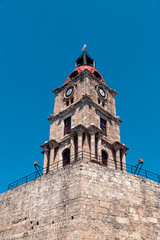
[73,74]
[104,157]
[67,125]
[103,124]
[66,156]
[72,100]
[97,75]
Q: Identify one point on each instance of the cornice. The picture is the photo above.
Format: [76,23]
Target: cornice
[80,127]
[104,112]
[61,114]
[106,141]
[93,129]
[50,144]
[85,99]
[118,145]
[99,109]
[53,143]
[65,139]
[76,129]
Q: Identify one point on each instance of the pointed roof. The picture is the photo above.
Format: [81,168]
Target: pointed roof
[85,59]
[82,63]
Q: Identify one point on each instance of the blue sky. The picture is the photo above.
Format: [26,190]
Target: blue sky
[39,43]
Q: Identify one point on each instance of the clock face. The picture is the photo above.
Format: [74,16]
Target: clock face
[101,92]
[69,91]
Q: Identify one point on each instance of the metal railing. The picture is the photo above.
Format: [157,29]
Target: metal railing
[118,165]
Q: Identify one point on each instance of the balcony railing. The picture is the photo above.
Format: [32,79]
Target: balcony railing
[138,171]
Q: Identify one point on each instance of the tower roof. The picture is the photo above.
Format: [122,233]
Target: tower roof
[85,59]
[82,63]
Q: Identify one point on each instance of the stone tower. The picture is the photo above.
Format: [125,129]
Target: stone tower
[84,122]
[85,192]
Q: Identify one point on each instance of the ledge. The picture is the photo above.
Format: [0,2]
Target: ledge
[85,99]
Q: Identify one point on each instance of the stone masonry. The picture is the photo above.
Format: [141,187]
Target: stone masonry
[85,113]
[84,120]
[84,110]
[85,201]
[85,192]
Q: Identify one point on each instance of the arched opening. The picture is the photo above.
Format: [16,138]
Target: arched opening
[72,100]
[97,75]
[103,124]
[104,157]
[73,74]
[76,146]
[121,156]
[96,147]
[66,156]
[114,157]
[55,152]
[67,125]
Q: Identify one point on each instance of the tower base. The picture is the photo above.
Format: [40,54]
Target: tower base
[83,200]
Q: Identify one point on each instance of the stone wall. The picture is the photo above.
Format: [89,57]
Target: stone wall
[118,205]
[82,201]
[83,113]
[85,84]
[43,209]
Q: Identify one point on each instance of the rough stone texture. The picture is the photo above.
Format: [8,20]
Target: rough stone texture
[50,202]
[85,84]
[85,114]
[118,205]
[84,200]
[85,111]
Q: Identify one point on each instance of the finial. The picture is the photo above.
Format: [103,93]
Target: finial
[84,47]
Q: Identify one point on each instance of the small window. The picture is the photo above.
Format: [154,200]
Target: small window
[67,103]
[66,157]
[67,125]
[72,100]
[103,104]
[99,100]
[104,157]
[103,125]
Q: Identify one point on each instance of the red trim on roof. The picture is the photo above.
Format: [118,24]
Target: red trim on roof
[81,69]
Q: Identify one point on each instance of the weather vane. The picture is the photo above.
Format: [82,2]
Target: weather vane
[84,47]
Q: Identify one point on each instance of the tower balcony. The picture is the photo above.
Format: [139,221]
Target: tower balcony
[83,156]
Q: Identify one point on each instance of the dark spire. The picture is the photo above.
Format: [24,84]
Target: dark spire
[85,59]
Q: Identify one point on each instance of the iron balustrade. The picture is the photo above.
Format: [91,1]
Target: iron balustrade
[118,165]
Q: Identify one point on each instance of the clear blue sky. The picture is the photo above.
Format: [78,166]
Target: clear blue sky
[39,43]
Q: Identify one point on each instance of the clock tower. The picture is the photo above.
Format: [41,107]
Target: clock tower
[84,123]
[91,196]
